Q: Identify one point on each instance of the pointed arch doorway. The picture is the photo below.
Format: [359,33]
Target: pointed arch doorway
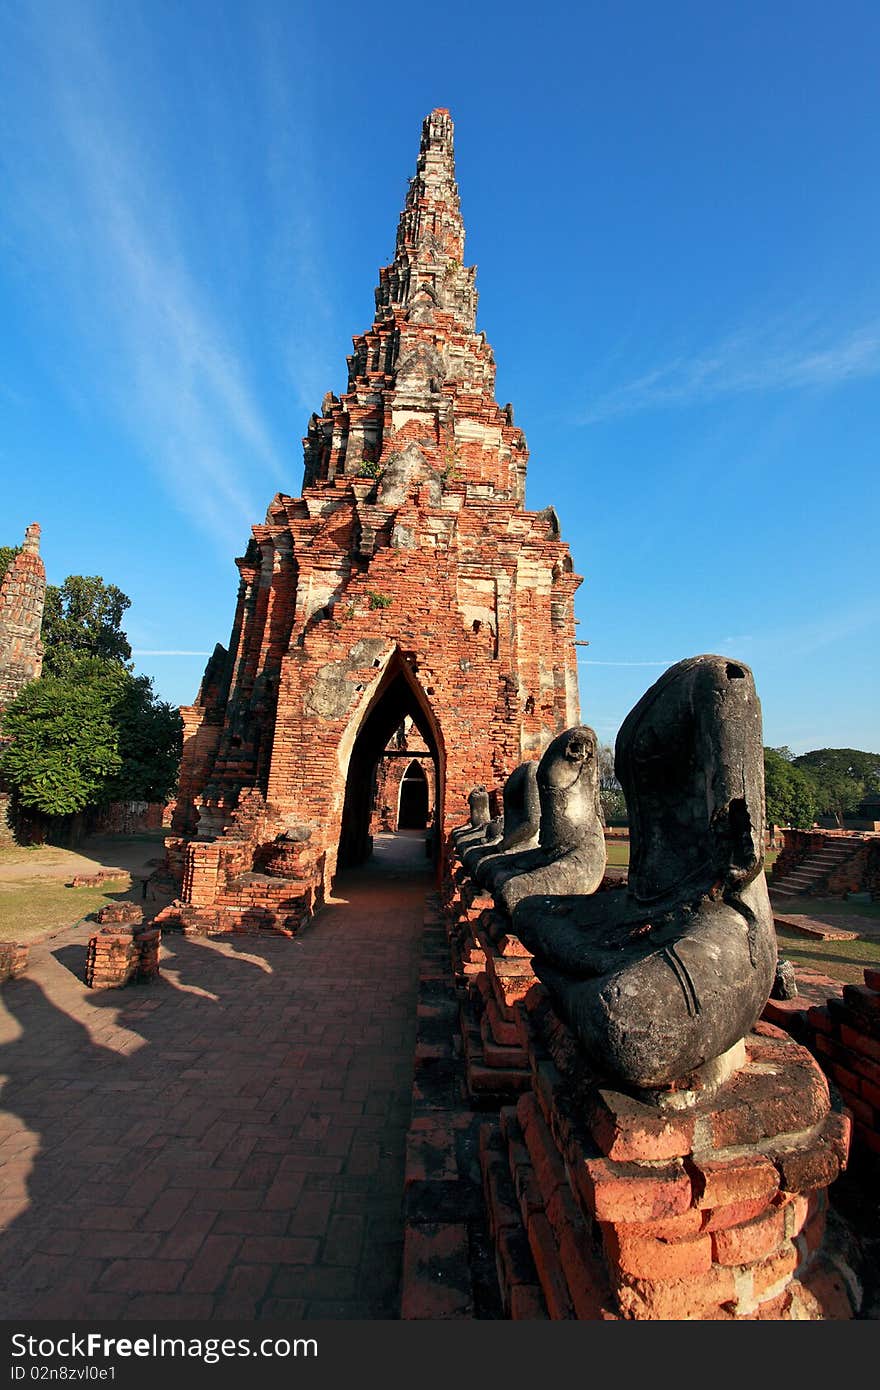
[413,799]
[398,695]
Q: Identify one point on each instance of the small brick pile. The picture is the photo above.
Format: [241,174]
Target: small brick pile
[844,1033]
[13,960]
[95,880]
[122,953]
[129,913]
[627,1210]
[250,906]
[813,991]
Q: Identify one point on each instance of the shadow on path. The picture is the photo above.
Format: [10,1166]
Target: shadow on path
[229,1141]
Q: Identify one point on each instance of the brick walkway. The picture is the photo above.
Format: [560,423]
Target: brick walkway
[227,1143]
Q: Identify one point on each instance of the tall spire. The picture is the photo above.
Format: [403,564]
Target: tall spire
[422,376]
[428,262]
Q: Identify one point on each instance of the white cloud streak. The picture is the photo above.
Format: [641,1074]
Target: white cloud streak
[783,355]
[102,222]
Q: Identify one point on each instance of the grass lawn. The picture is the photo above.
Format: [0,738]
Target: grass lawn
[618,854]
[32,854]
[31,909]
[842,960]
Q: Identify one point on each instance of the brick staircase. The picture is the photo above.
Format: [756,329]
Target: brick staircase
[811,872]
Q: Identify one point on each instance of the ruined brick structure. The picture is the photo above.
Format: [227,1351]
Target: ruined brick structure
[405,794]
[22,596]
[407,580]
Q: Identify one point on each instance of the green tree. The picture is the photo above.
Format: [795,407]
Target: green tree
[842,777]
[7,555]
[150,740]
[83,617]
[790,792]
[90,736]
[611,797]
[61,745]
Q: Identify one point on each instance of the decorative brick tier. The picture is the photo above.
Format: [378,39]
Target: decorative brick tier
[448,1259]
[714,1211]
[493,970]
[13,960]
[496,973]
[121,954]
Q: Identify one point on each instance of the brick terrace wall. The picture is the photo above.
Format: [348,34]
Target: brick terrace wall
[128,818]
[858,873]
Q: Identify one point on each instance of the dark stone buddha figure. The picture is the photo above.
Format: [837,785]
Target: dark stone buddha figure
[671,972]
[570,854]
[522,815]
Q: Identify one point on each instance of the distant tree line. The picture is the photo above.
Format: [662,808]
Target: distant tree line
[89,731]
[828,782]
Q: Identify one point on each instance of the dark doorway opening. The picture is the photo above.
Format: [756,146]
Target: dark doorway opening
[413,812]
[398,695]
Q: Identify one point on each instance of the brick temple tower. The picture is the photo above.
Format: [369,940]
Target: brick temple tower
[22,596]
[407,580]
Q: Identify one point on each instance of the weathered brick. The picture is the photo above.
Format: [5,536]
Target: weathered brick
[753,1240]
[720,1182]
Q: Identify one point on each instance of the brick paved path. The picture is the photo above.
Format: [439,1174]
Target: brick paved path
[226,1143]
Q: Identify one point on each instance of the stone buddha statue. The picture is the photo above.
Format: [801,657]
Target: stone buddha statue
[522,814]
[671,972]
[570,853]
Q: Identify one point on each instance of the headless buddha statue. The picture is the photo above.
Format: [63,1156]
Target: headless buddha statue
[570,854]
[669,973]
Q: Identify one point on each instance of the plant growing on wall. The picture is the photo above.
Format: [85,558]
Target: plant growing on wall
[378,600]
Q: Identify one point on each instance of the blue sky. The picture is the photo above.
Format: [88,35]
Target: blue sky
[674,210]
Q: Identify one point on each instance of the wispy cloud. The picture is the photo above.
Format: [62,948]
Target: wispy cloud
[142,651]
[103,223]
[780,355]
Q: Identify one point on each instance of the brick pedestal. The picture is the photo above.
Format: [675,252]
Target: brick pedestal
[120,954]
[845,1036]
[13,960]
[715,1210]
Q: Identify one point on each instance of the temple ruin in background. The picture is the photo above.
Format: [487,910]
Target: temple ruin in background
[22,596]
